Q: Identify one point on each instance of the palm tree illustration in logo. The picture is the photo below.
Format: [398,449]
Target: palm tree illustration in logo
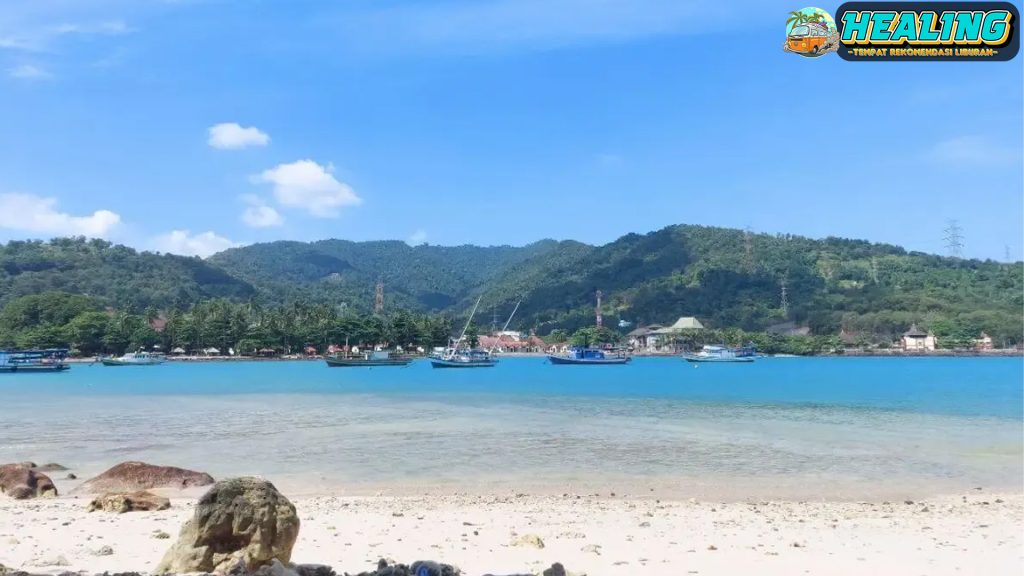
[796,19]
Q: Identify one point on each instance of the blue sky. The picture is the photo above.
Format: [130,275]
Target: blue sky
[193,125]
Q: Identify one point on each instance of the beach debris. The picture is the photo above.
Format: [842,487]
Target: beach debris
[103,551]
[240,519]
[161,535]
[592,549]
[134,476]
[22,482]
[528,540]
[128,502]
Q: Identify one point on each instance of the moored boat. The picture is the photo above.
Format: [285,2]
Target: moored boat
[721,354]
[21,361]
[368,360]
[464,359]
[459,357]
[589,357]
[140,358]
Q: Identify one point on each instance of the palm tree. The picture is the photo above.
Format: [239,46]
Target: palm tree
[795,19]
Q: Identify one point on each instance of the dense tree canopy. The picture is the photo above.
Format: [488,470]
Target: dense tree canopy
[290,293]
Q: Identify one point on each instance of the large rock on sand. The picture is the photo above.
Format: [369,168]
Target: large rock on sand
[135,476]
[239,520]
[21,482]
[129,502]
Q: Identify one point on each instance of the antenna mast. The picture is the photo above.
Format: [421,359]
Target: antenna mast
[954,239]
[785,299]
[748,250]
[378,296]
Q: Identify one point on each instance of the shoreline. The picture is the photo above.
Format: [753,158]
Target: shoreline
[967,533]
[852,353]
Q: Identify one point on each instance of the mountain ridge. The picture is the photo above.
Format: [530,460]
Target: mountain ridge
[726,277]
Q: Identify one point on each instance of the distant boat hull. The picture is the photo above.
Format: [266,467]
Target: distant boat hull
[442,363]
[32,368]
[118,362]
[366,363]
[697,358]
[587,361]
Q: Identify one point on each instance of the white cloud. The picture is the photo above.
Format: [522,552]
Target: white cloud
[972,151]
[187,244]
[33,32]
[418,237]
[231,136]
[35,214]
[258,214]
[307,185]
[28,72]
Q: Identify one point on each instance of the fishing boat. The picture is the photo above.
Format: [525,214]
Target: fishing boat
[464,358]
[140,358]
[369,360]
[21,361]
[459,357]
[721,354]
[589,357]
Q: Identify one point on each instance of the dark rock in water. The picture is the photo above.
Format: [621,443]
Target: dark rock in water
[134,476]
[21,482]
[128,502]
[51,467]
[238,520]
[71,476]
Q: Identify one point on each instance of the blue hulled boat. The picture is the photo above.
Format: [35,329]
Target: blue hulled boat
[49,360]
[589,357]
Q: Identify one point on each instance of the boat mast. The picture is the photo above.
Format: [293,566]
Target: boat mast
[464,328]
[507,322]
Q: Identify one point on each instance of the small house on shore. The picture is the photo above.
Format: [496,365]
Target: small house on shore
[983,342]
[916,340]
[655,338]
[645,338]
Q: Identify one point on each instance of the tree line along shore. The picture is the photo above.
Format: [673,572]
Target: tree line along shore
[247,329]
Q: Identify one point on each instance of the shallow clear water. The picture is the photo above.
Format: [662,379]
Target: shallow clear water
[807,426]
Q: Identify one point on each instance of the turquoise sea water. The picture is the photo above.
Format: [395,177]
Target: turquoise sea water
[784,426]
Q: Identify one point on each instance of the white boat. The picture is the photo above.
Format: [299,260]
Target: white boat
[140,358]
[721,354]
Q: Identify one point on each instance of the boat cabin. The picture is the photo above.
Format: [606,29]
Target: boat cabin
[586,354]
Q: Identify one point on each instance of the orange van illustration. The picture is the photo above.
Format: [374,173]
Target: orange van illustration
[807,38]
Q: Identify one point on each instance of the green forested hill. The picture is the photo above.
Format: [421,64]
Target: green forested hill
[116,276]
[726,278]
[427,278]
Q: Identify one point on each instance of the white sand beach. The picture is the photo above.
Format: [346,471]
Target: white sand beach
[973,533]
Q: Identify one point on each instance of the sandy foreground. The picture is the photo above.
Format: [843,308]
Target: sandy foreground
[975,533]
